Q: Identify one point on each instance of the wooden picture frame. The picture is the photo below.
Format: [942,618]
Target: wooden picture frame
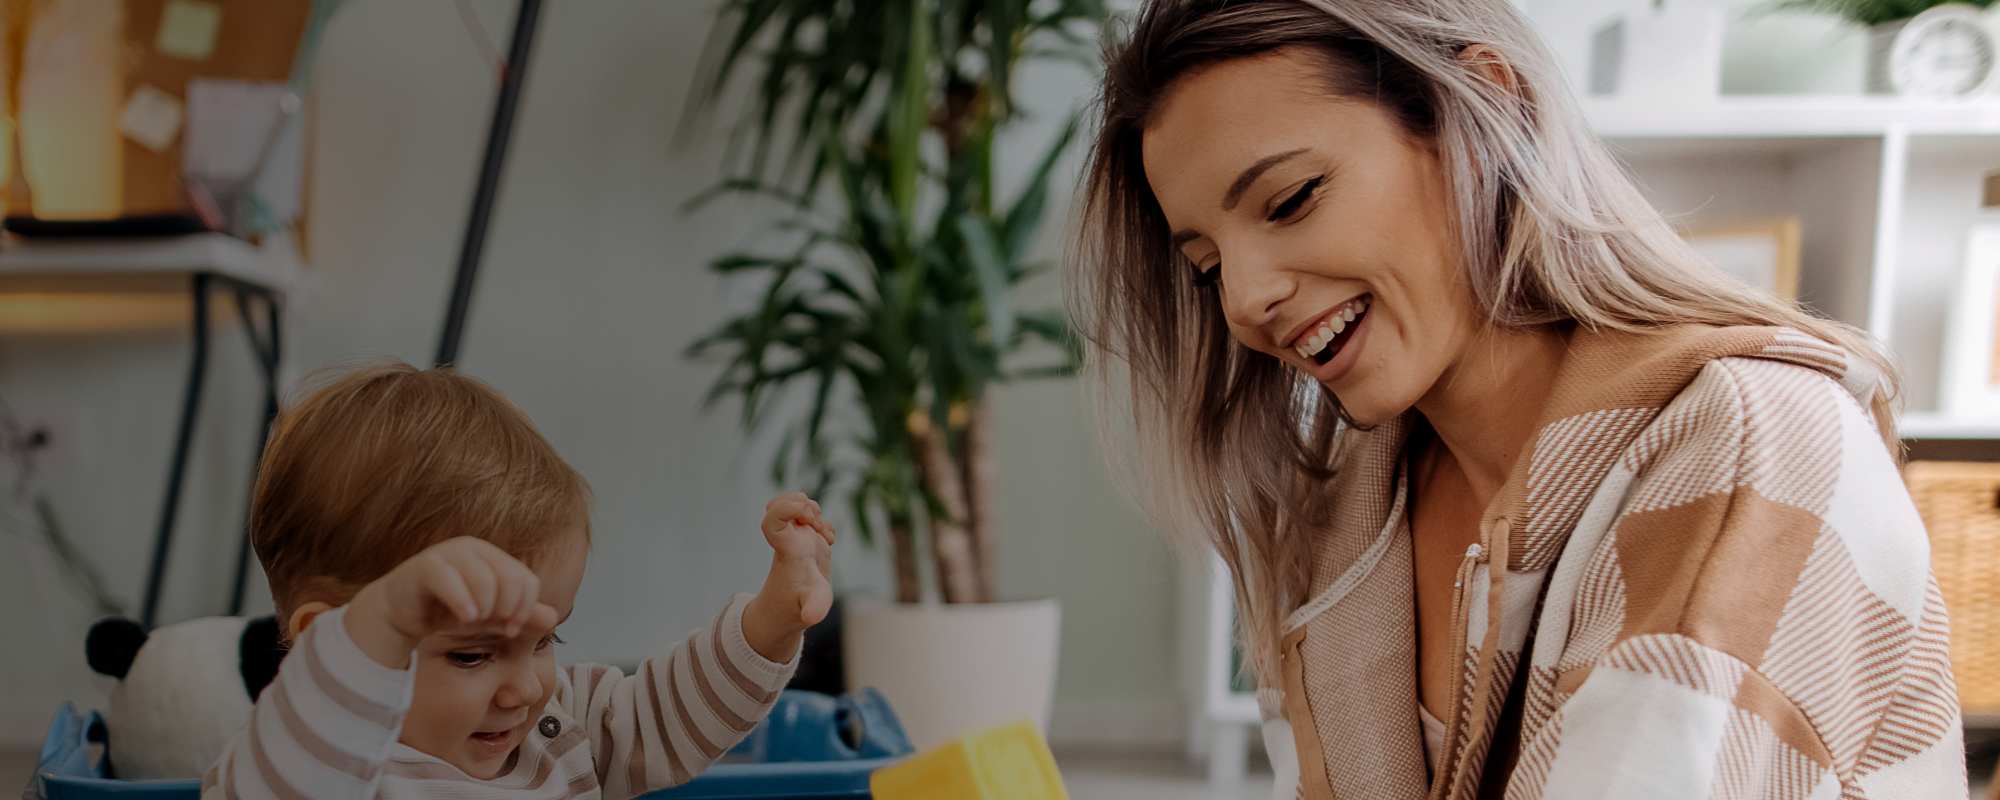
[1763,253]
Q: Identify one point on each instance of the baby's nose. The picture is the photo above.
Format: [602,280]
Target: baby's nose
[521,688]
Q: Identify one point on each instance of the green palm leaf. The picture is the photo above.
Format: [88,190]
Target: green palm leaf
[887,292]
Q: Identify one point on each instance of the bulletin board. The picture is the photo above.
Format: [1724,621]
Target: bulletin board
[166,44]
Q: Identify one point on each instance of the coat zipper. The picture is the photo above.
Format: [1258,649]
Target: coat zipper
[1474,556]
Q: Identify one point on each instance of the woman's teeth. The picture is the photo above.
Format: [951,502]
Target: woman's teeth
[1315,342]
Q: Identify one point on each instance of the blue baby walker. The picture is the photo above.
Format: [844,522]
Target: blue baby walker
[812,746]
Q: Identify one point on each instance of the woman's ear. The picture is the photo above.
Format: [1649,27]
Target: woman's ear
[303,616]
[1489,64]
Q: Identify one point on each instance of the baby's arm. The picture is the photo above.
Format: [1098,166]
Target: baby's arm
[681,711]
[324,727]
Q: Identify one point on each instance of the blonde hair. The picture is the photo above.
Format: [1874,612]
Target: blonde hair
[1550,231]
[383,461]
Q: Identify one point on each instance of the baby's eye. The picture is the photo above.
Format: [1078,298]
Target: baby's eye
[468,659]
[550,639]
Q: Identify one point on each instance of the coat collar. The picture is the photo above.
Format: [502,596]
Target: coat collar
[1610,387]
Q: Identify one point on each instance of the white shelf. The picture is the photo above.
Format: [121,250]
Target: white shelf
[1886,189]
[275,265]
[1221,719]
[1236,707]
[1783,117]
[1939,426]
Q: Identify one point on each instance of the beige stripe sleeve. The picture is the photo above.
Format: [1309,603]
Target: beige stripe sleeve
[679,712]
[322,729]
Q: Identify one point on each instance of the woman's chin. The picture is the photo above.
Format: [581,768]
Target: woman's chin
[1368,412]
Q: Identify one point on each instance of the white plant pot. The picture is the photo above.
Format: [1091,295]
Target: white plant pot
[1661,54]
[1881,44]
[950,670]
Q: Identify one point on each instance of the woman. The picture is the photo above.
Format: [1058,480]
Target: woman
[1520,497]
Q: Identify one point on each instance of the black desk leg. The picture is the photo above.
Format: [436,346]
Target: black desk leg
[190,405]
[266,349]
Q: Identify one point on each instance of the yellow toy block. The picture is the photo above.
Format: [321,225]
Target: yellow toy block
[1006,763]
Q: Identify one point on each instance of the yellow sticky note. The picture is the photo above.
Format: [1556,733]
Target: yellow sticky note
[151,118]
[188,28]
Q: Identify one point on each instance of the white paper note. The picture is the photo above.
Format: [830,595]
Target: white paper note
[151,118]
[188,29]
[230,124]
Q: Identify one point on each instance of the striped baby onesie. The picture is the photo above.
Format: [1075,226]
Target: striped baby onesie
[327,727]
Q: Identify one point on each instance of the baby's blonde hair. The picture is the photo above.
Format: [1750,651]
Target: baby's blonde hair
[380,462]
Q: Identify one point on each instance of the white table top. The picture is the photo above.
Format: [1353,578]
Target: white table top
[274,265]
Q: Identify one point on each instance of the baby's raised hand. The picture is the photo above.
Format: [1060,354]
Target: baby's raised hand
[795,529]
[798,591]
[458,584]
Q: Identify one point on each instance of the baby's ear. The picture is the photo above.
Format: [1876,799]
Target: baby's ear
[304,616]
[112,644]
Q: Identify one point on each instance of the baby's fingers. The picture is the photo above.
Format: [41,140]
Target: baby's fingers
[484,584]
[444,583]
[518,590]
[542,617]
[783,510]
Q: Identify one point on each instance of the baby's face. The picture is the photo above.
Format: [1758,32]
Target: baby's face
[478,697]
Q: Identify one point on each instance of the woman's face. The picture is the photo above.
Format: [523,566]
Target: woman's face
[1324,226]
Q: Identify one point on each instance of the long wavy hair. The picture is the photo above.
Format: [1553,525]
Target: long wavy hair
[1550,230]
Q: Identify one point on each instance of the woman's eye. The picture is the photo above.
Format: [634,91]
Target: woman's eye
[546,641]
[467,660]
[1208,278]
[1292,204]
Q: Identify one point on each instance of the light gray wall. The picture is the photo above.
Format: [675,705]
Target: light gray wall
[592,286]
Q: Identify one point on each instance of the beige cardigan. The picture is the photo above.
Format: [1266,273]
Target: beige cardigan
[1707,563]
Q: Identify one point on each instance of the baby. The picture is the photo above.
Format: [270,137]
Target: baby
[423,542]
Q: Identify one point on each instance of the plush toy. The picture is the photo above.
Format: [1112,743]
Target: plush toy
[184,691]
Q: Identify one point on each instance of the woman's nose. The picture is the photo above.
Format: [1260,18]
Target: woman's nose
[1252,291]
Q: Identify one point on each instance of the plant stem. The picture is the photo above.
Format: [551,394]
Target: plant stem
[951,546]
[979,475]
[903,553]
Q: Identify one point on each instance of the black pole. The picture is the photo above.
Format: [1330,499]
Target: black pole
[269,351]
[511,75]
[149,608]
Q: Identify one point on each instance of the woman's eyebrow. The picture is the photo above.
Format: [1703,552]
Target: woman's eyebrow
[1230,198]
[1252,173]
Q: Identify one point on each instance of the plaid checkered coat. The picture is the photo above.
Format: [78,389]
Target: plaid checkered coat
[1704,579]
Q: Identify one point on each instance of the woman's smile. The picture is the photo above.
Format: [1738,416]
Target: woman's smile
[1337,342]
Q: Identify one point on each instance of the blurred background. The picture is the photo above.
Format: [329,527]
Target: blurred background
[718,247]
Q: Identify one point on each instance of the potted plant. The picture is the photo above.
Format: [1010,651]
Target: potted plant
[890,311]
[1929,43]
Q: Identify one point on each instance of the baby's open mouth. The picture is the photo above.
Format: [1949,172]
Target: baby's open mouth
[1322,343]
[494,739]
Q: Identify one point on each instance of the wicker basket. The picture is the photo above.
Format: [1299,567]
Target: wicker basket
[1960,504]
